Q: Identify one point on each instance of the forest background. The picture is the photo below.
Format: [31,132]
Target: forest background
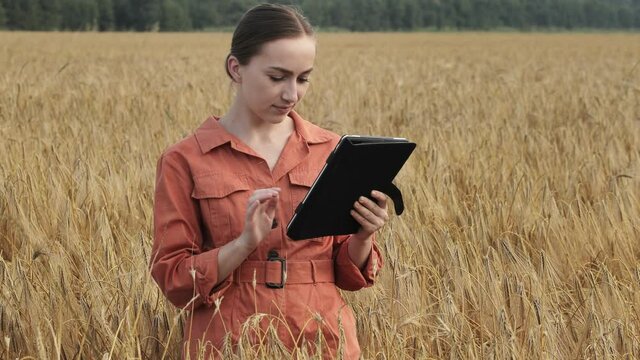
[353,15]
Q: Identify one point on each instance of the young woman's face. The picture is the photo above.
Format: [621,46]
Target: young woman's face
[277,78]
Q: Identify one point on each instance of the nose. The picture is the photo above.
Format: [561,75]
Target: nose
[290,92]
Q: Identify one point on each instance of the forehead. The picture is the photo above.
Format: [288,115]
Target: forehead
[295,54]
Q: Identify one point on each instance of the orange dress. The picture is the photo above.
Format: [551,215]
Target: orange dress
[203,184]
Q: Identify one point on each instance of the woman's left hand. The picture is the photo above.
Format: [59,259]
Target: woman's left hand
[370,215]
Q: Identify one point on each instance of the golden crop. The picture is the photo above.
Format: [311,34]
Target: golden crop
[521,237]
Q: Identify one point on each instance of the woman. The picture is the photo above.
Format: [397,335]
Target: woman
[225,194]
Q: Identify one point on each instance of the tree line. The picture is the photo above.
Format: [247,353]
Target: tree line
[355,15]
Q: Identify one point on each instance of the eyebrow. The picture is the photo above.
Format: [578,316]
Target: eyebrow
[288,72]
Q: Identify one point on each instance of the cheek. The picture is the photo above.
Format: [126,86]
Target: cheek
[302,90]
[259,92]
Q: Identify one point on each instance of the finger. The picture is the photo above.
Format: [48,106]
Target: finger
[364,223]
[271,205]
[382,198]
[251,209]
[261,197]
[267,190]
[268,205]
[368,214]
[273,199]
[259,213]
[374,208]
[261,192]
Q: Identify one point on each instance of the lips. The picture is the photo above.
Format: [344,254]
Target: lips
[283,109]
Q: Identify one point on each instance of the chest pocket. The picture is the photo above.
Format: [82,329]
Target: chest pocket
[301,181]
[223,199]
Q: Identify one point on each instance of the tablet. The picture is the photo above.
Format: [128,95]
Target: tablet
[356,166]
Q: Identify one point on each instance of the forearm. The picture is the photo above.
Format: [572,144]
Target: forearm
[359,250]
[231,255]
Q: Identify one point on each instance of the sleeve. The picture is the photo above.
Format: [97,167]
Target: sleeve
[185,273]
[348,275]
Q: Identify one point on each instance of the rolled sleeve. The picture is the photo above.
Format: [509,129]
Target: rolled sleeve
[185,272]
[348,275]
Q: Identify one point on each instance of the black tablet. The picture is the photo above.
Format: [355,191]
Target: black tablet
[357,165]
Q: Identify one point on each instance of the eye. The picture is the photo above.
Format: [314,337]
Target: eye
[303,80]
[276,78]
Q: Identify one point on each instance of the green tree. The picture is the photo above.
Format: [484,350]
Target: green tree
[146,14]
[315,11]
[597,14]
[233,10]
[413,15]
[22,14]
[342,15]
[123,17]
[430,11]
[484,15]
[394,14]
[105,15]
[79,15]
[511,13]
[174,17]
[49,15]
[3,17]
[203,13]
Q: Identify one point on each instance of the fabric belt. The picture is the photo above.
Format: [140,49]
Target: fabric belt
[296,272]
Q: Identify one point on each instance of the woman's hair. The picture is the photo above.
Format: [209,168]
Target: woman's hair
[264,23]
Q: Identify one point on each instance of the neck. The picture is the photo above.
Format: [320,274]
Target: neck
[243,123]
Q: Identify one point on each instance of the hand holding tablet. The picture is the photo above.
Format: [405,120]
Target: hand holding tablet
[358,165]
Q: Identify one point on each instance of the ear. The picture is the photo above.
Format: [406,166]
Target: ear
[233,65]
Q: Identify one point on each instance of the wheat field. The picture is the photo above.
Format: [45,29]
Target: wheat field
[521,237]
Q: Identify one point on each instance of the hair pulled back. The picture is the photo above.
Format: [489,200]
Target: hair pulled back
[264,23]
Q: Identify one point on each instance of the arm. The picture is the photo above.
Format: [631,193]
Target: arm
[260,213]
[357,257]
[360,251]
[186,274]
[350,276]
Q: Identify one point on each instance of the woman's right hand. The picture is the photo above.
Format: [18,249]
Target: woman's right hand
[261,211]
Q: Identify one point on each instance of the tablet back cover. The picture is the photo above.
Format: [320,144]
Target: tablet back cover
[354,169]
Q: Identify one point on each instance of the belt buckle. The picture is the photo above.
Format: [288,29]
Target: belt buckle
[273,256]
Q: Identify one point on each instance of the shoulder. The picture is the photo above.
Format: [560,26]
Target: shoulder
[315,134]
[185,149]
[188,148]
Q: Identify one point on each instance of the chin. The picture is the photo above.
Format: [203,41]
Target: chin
[275,119]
